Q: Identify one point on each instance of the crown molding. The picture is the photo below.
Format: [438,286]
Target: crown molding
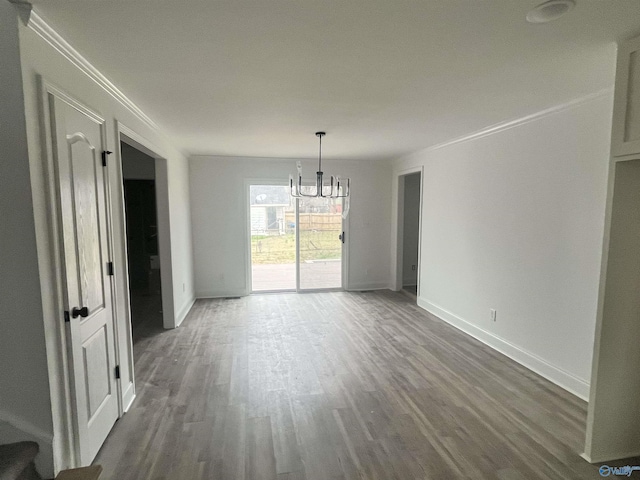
[53,38]
[499,127]
[502,126]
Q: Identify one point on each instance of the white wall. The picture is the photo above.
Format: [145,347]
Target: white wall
[411,228]
[181,238]
[40,58]
[24,404]
[219,219]
[513,220]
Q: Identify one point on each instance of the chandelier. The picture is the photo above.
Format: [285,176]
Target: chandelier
[336,188]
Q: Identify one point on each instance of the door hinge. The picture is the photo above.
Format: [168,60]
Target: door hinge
[104,157]
[110,269]
[66,316]
[117,371]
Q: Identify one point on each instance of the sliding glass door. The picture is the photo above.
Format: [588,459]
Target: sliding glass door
[273,238]
[295,244]
[320,247]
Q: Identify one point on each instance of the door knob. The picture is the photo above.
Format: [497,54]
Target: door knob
[80,312]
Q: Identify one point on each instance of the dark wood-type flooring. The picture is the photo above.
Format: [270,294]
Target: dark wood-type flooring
[337,386]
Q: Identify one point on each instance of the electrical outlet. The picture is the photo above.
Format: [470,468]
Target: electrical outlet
[493,314]
[184,288]
[413,267]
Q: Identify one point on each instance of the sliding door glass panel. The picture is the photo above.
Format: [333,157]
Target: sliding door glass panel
[273,238]
[319,228]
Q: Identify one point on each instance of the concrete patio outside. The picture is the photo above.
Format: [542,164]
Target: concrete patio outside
[318,274]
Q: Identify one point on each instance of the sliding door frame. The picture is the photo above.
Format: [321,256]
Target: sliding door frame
[247,238]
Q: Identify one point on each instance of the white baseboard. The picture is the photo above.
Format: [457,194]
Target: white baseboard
[586,457]
[357,288]
[185,310]
[367,286]
[128,397]
[611,457]
[206,295]
[566,380]
[16,429]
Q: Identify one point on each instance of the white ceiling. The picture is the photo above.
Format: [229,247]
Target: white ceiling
[382,77]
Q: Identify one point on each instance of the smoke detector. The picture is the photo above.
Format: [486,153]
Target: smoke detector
[551,10]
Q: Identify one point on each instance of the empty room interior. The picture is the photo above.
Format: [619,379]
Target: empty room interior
[381,239]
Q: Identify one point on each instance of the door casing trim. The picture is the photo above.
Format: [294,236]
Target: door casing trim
[65,441]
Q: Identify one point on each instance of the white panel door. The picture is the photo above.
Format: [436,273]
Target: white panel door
[78,142]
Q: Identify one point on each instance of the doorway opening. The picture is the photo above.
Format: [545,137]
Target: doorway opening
[143,259]
[296,244]
[409,198]
[612,419]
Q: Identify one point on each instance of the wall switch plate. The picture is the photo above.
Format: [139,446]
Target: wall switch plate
[413,267]
[493,314]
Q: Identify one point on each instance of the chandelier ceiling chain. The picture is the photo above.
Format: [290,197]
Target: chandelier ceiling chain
[337,189]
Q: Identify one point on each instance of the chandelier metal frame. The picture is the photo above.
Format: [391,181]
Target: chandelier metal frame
[336,187]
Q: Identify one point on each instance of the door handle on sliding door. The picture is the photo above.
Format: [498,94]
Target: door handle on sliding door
[342,236]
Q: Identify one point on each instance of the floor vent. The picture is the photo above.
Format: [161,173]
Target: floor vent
[231,298]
